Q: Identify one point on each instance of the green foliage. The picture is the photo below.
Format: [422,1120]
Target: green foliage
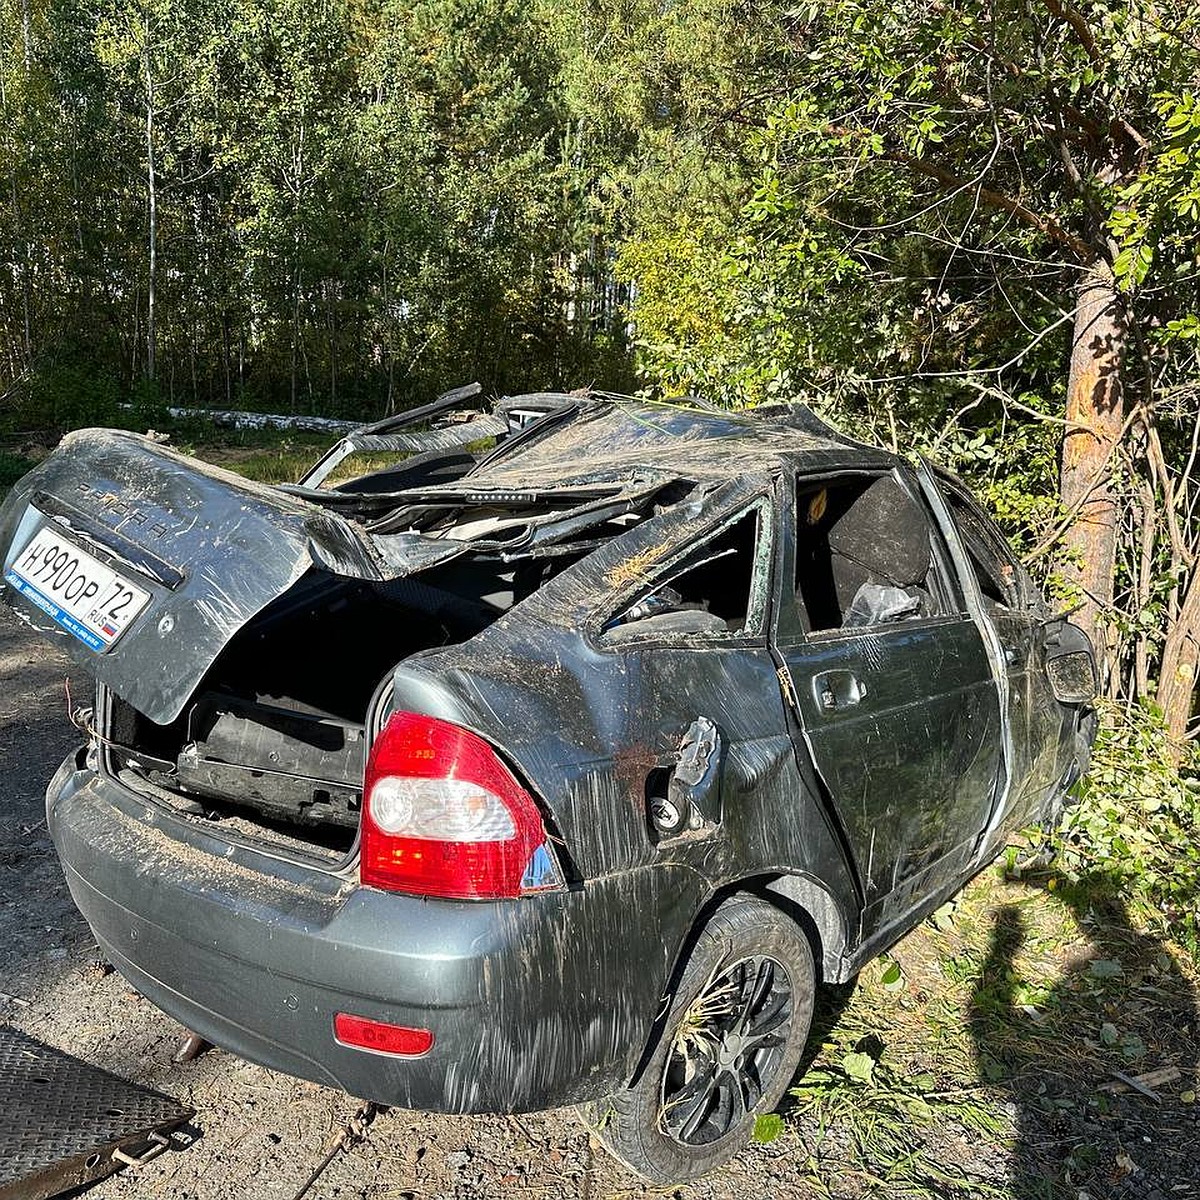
[12,467]
[356,204]
[767,1127]
[1158,214]
[895,234]
[1137,823]
[880,1116]
[66,396]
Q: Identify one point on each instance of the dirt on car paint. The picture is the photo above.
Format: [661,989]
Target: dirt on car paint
[260,1134]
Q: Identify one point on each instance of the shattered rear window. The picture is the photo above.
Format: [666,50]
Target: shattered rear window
[717,587]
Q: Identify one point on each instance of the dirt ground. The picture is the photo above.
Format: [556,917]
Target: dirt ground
[991,1036]
[260,1133]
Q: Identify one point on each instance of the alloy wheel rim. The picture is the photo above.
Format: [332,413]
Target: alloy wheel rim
[726,1051]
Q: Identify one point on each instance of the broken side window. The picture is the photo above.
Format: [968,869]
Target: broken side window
[991,558]
[864,555]
[710,590]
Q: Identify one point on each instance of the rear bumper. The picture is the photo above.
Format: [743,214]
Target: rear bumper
[533,1003]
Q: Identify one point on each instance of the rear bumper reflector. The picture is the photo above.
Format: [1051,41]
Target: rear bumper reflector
[379,1037]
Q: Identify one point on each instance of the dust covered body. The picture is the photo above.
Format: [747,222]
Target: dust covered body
[467,781]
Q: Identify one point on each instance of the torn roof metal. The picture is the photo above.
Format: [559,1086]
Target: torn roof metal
[211,550]
[559,441]
[609,438]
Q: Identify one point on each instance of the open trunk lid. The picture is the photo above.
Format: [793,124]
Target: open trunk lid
[197,550]
[148,563]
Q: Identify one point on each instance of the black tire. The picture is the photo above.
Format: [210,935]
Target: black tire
[729,1047]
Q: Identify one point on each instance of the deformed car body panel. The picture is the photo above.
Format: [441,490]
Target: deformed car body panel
[583,741]
[213,549]
[256,954]
[677,746]
[227,548]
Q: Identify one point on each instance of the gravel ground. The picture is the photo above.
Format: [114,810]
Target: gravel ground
[259,1133]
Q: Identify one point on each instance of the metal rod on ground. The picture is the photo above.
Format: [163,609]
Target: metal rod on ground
[353,1134]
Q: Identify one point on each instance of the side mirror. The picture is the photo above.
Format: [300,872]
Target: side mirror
[1070,663]
[1073,677]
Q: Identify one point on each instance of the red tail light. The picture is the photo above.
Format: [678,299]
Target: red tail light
[443,816]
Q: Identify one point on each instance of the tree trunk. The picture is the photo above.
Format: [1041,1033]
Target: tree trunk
[1141,654]
[26,272]
[152,204]
[1181,651]
[27,34]
[1096,412]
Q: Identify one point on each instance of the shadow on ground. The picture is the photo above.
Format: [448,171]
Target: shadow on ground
[1121,1006]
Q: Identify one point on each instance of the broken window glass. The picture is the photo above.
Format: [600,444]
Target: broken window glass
[991,559]
[707,592]
[863,554]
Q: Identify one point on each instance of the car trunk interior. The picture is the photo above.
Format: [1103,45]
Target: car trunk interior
[273,743]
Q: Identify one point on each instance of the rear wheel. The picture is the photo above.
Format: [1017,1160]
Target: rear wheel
[730,1045]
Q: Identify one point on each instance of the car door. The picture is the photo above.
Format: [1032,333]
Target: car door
[894,691]
[1012,604]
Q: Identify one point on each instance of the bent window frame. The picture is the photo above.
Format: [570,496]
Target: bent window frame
[753,632]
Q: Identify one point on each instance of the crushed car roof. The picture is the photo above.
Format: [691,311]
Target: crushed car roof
[610,437]
[211,550]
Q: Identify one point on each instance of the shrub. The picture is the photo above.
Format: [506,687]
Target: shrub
[12,467]
[1137,822]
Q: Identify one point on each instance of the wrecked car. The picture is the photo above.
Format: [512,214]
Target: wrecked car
[550,755]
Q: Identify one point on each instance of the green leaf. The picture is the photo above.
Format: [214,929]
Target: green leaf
[1105,968]
[892,979]
[767,1127]
[1108,1034]
[859,1066]
[1132,1046]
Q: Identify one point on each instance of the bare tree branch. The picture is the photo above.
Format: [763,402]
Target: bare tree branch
[993,199]
[1078,23]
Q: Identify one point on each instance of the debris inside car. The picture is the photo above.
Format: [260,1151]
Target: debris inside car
[553,756]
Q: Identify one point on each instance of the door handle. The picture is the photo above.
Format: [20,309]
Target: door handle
[835,690]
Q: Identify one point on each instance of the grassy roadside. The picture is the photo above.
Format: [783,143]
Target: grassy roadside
[982,1056]
[978,1058]
[266,455]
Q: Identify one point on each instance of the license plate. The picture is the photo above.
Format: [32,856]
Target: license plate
[88,599]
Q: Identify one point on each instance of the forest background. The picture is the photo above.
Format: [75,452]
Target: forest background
[961,228]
